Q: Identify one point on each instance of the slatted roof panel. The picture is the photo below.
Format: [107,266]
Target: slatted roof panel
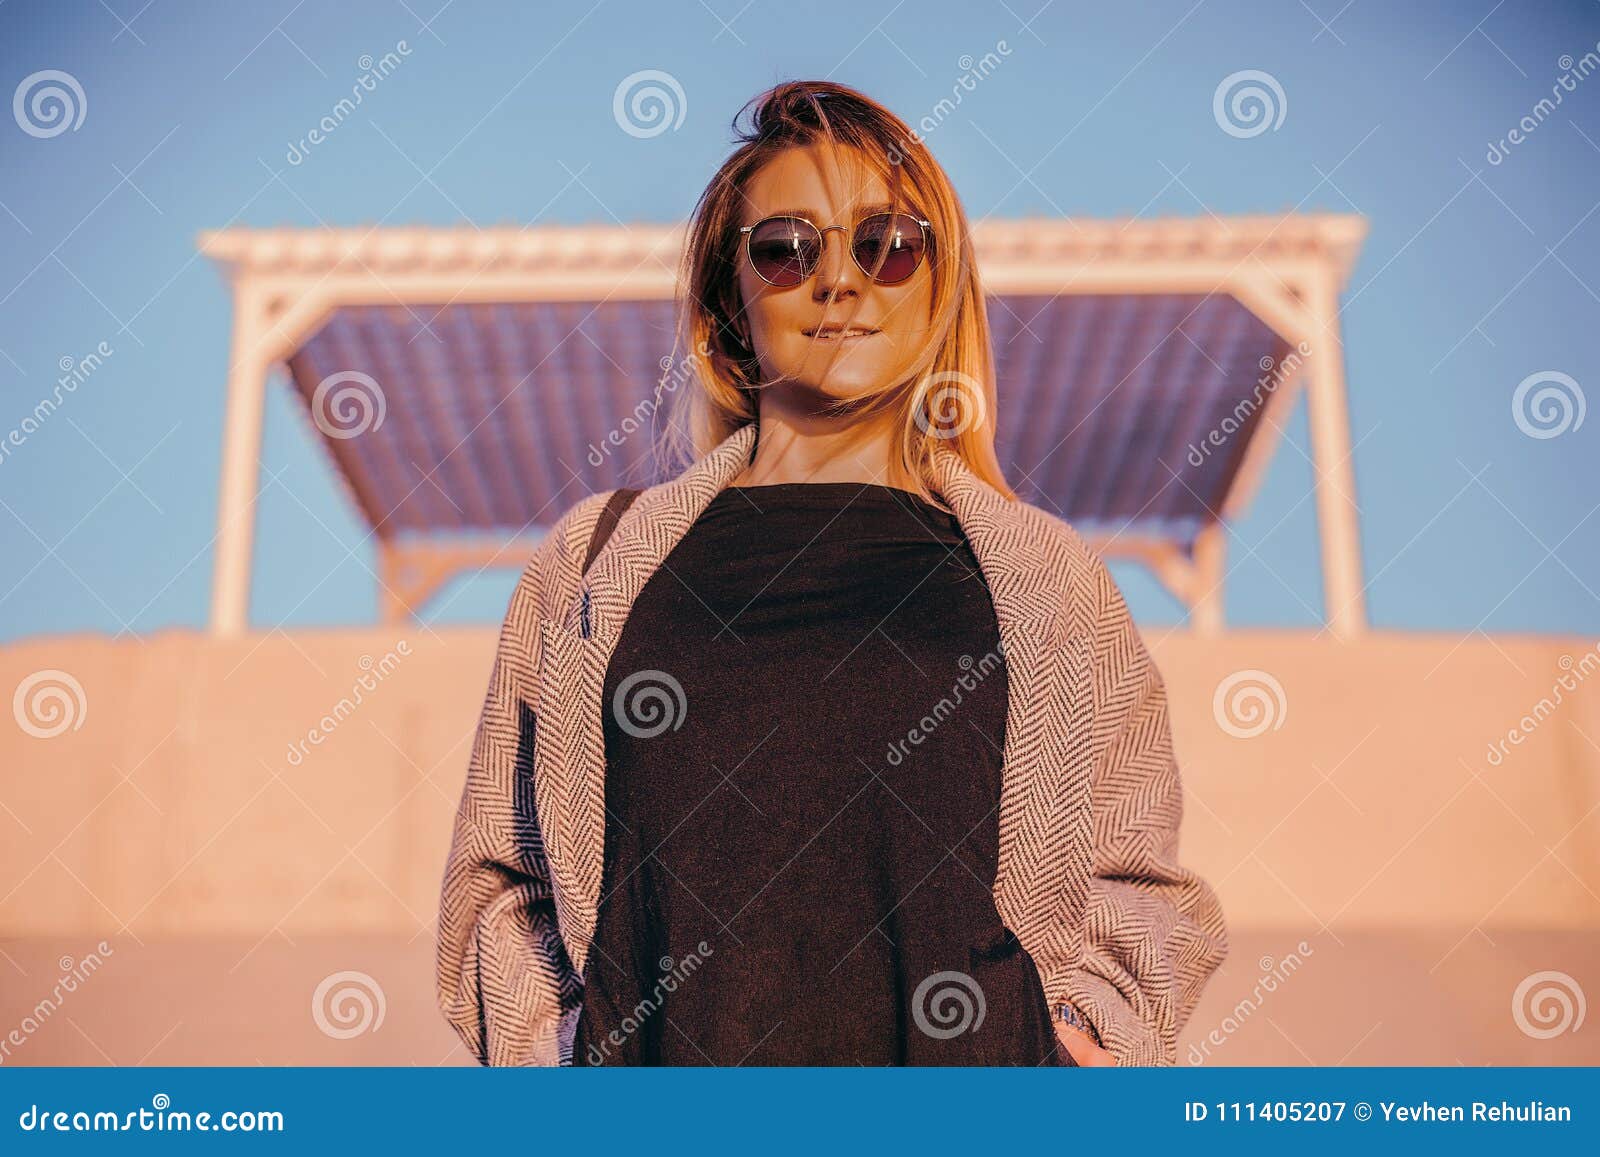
[1102,397]
[496,417]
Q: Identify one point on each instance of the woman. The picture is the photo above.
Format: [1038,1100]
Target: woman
[834,752]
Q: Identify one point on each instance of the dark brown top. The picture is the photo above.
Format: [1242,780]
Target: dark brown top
[804,723]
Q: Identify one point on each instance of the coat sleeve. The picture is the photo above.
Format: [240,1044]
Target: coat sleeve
[502,974]
[1153,930]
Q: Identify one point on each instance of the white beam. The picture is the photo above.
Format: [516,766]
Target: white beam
[1338,517]
[241,466]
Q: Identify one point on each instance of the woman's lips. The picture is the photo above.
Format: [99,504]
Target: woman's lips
[841,335]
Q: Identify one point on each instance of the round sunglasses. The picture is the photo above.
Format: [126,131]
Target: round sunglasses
[785,251]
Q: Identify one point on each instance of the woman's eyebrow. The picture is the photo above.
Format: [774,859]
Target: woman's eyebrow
[861,211]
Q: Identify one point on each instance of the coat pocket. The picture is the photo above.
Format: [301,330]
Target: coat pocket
[1020,1028]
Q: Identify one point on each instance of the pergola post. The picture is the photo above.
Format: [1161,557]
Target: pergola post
[1206,613]
[249,367]
[1338,517]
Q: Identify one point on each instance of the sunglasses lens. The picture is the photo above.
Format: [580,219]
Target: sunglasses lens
[889,246]
[785,250]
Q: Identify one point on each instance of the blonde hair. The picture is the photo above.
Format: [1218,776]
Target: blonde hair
[955,370]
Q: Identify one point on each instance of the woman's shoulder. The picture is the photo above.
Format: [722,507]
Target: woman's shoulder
[569,537]
[1055,535]
[557,558]
[1091,594]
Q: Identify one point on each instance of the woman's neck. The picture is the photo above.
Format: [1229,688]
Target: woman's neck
[803,447]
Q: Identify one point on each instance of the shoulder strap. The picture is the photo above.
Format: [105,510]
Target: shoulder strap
[619,501]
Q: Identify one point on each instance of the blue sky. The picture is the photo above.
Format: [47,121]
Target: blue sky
[1475,275]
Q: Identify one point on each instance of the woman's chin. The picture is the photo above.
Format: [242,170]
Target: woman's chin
[847,378]
[829,385]
[837,389]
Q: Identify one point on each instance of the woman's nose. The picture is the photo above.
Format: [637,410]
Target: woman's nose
[837,272]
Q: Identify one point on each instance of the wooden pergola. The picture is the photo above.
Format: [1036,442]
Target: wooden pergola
[1118,344]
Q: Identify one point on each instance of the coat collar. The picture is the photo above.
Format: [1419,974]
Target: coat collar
[1046,673]
[662,515]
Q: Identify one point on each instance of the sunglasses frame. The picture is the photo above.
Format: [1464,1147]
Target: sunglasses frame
[923,225]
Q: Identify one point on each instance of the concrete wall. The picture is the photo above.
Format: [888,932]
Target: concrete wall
[172,808]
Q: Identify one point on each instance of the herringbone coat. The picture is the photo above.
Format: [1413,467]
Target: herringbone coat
[1088,877]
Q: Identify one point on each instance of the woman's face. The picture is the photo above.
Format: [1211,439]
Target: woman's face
[822,184]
